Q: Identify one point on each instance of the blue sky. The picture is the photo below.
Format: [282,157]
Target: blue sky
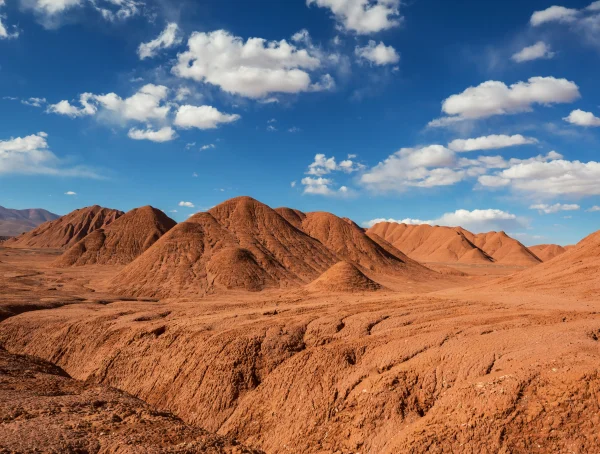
[483,114]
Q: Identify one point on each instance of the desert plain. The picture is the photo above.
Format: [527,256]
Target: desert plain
[252,329]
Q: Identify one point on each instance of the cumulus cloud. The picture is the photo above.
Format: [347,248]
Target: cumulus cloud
[208,147]
[490,142]
[323,166]
[254,68]
[426,167]
[538,51]
[544,208]
[377,54]
[145,105]
[555,177]
[202,117]
[31,155]
[66,108]
[168,38]
[496,98]
[165,134]
[323,186]
[476,220]
[363,16]
[585,22]
[70,193]
[594,209]
[553,14]
[186,204]
[581,118]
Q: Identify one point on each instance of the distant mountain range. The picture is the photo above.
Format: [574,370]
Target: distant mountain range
[15,222]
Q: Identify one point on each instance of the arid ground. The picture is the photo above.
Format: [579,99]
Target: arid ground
[469,358]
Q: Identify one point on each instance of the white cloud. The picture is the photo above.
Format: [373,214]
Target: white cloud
[145,105]
[50,12]
[496,98]
[324,166]
[378,54]
[168,38]
[70,193]
[293,184]
[31,155]
[555,177]
[553,14]
[490,142]
[202,117]
[594,209]
[580,118]
[322,186]
[294,129]
[426,167]
[208,147]
[186,204]
[66,108]
[165,134]
[363,16]
[190,145]
[271,128]
[254,69]
[34,102]
[476,220]
[544,208]
[4,33]
[535,52]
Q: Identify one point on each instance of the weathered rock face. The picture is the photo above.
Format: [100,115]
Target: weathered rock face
[121,242]
[44,410]
[66,230]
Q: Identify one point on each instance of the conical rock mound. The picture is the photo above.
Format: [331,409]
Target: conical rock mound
[344,277]
[240,244]
[505,250]
[66,230]
[121,242]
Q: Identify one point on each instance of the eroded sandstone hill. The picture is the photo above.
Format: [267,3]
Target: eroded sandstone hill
[547,251]
[120,242]
[575,272]
[240,244]
[42,409]
[427,243]
[343,277]
[66,230]
[349,242]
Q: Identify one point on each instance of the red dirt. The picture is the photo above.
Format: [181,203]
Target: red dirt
[509,366]
[122,241]
[504,249]
[42,409]
[343,277]
[547,251]
[66,230]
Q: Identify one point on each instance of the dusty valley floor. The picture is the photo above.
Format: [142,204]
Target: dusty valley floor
[449,364]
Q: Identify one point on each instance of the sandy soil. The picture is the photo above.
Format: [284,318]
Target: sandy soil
[464,369]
